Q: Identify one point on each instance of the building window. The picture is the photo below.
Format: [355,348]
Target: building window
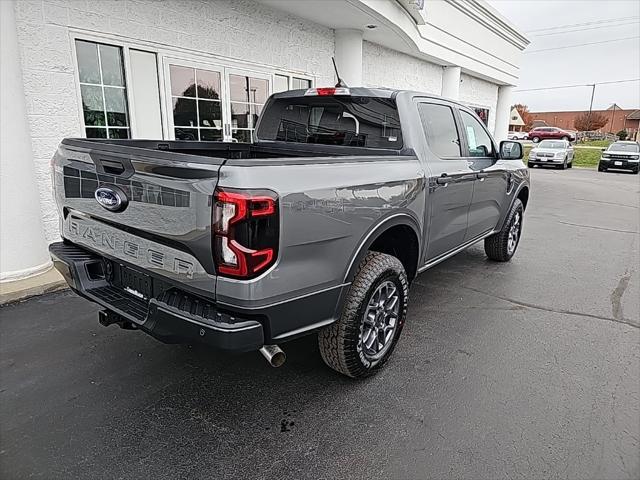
[281,83]
[284,82]
[248,95]
[197,107]
[103,90]
[483,114]
[298,83]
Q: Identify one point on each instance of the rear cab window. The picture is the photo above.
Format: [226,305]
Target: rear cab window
[356,121]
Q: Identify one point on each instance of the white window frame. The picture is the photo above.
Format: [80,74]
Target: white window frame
[245,73]
[188,56]
[167,61]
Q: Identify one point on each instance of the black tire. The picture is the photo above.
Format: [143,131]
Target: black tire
[565,138]
[535,139]
[341,344]
[601,169]
[570,164]
[530,165]
[564,165]
[497,245]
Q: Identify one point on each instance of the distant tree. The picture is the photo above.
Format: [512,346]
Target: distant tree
[586,122]
[527,118]
[622,134]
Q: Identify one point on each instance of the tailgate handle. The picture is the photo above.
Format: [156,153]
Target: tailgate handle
[113,167]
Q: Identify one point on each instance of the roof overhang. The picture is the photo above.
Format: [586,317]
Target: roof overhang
[469,34]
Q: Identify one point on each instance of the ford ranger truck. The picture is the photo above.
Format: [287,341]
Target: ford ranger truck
[318,226]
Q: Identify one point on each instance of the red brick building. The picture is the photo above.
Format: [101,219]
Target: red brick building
[617,119]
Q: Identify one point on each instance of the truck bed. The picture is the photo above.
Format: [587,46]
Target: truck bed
[227,150]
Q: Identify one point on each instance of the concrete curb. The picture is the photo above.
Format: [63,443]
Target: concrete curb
[49,281]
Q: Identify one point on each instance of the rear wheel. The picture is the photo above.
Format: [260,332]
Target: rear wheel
[502,245]
[535,139]
[363,338]
[565,138]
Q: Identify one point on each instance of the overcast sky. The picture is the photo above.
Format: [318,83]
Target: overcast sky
[618,60]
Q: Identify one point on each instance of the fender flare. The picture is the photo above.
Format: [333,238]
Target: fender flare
[514,196]
[393,220]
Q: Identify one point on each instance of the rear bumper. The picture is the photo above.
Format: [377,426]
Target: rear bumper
[174,316]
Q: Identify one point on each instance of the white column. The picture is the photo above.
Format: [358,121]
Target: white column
[451,83]
[23,251]
[503,111]
[348,54]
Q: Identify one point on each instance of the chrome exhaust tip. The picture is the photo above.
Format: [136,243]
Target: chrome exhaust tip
[274,355]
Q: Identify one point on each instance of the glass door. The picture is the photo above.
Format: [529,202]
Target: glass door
[248,91]
[196,96]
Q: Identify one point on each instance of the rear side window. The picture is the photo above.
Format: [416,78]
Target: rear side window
[440,128]
[350,121]
[479,141]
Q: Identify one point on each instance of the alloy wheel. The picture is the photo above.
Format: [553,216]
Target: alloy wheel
[380,321]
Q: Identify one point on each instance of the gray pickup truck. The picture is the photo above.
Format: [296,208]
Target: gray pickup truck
[318,226]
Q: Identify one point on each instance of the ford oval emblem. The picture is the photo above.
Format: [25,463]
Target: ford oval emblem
[112,198]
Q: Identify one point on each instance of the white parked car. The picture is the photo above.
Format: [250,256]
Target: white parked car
[558,153]
[518,136]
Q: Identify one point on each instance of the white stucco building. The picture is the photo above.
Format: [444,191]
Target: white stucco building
[116,68]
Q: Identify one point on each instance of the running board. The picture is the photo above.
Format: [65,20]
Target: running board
[457,250]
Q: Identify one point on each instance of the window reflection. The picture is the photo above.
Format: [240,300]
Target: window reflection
[103,90]
[196,103]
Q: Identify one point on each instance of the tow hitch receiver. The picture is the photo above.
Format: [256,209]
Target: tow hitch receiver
[107,317]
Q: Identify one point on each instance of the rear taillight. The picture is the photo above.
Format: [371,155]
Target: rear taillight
[245,231]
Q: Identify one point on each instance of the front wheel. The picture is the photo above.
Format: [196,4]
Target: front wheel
[361,341]
[601,168]
[535,139]
[565,138]
[501,246]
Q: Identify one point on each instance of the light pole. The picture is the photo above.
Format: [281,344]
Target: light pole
[611,130]
[593,92]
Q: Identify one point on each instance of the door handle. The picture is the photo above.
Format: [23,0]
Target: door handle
[482,175]
[444,179]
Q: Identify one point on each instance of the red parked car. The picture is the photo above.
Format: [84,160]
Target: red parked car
[543,133]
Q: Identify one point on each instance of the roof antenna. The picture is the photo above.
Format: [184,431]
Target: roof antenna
[335,67]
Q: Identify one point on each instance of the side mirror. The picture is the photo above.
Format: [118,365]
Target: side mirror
[510,150]
[604,149]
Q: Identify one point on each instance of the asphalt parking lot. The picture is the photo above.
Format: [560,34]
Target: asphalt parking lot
[523,370]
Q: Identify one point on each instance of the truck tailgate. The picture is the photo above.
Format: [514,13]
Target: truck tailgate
[165,225]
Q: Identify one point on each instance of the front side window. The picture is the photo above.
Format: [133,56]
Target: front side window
[351,121]
[197,106]
[103,90]
[480,144]
[440,127]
